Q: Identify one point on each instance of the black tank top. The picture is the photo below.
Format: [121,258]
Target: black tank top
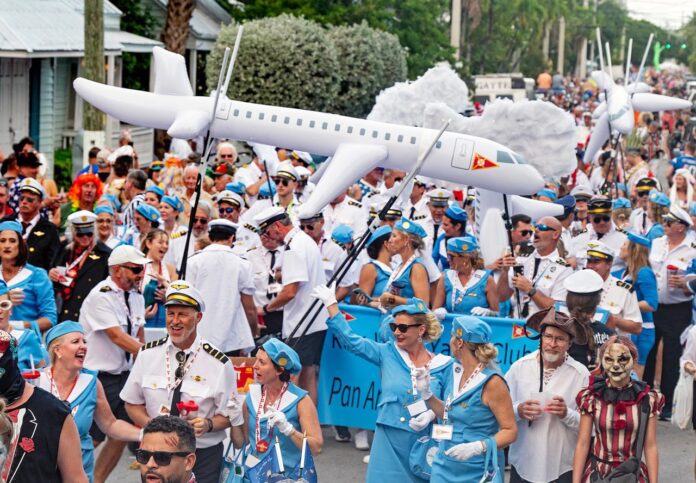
[36,453]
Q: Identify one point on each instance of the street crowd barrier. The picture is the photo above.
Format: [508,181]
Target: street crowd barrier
[350,386]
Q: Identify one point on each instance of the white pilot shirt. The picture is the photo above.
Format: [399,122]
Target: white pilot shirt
[550,274]
[348,212]
[332,256]
[302,263]
[680,257]
[221,276]
[209,380]
[619,298]
[104,308]
[614,239]
[260,260]
[637,218]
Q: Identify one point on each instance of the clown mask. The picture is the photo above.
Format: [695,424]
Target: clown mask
[617,363]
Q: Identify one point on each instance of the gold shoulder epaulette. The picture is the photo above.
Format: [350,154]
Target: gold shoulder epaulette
[155,343]
[562,262]
[178,234]
[217,354]
[250,227]
[355,203]
[625,285]
[106,288]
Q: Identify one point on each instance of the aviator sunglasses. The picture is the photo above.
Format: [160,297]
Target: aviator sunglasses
[162,458]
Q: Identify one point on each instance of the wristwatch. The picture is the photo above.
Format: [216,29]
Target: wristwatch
[532,292]
[265,309]
[210,424]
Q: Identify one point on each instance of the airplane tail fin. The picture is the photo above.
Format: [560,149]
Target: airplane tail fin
[171,77]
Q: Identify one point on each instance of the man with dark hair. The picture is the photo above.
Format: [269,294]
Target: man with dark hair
[168,451]
[28,167]
[134,191]
[522,230]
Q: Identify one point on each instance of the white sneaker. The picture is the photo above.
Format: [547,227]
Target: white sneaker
[366,459]
[361,440]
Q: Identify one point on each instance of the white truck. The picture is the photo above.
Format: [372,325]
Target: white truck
[514,86]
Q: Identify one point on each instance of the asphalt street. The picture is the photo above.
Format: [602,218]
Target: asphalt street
[342,463]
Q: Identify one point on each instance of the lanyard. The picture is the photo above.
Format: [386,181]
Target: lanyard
[188,364]
[261,445]
[396,274]
[445,412]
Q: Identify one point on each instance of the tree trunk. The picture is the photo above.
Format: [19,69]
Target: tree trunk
[561,46]
[545,47]
[176,26]
[93,119]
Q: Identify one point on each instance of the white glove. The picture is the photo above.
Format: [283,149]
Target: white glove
[422,421]
[327,295]
[278,419]
[422,376]
[440,313]
[464,451]
[234,411]
[483,312]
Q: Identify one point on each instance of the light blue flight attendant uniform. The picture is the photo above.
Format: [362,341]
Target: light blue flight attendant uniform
[439,253]
[82,399]
[39,298]
[460,299]
[394,438]
[401,283]
[471,419]
[655,231]
[661,199]
[28,346]
[285,357]
[383,273]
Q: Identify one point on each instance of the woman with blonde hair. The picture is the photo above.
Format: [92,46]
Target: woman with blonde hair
[158,275]
[410,279]
[474,408]
[80,390]
[399,362]
[635,252]
[682,190]
[658,207]
[466,287]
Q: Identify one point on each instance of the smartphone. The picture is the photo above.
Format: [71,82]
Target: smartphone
[359,291]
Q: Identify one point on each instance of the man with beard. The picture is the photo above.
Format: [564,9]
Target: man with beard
[168,451]
[551,415]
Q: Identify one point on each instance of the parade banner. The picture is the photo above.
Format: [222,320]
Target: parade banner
[350,386]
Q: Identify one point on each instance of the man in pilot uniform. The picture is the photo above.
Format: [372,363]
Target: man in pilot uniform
[618,297]
[230,205]
[344,210]
[539,276]
[601,228]
[438,201]
[171,373]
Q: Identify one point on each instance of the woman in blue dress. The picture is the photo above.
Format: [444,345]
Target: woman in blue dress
[79,388]
[635,252]
[453,226]
[275,407]
[375,273]
[474,404]
[31,291]
[658,206]
[410,278]
[28,342]
[466,288]
[399,361]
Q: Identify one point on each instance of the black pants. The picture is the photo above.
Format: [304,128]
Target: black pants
[208,464]
[670,322]
[516,478]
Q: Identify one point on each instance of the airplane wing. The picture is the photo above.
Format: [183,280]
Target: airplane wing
[645,102]
[598,137]
[349,163]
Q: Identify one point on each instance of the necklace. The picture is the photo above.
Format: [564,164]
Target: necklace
[54,388]
[263,445]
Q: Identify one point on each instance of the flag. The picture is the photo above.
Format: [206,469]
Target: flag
[482,162]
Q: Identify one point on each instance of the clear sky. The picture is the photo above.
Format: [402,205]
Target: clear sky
[665,13]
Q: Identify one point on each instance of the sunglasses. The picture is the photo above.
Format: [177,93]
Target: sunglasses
[28,199]
[227,210]
[105,222]
[543,227]
[455,255]
[308,227]
[283,181]
[403,328]
[181,359]
[5,305]
[601,219]
[526,232]
[84,235]
[643,194]
[162,458]
[225,156]
[202,221]
[136,270]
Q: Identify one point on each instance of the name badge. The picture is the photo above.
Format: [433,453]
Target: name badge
[442,432]
[274,288]
[416,408]
[251,461]
[164,410]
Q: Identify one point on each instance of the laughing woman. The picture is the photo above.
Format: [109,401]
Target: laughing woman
[79,388]
[399,360]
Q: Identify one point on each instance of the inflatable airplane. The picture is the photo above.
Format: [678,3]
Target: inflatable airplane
[356,145]
[616,113]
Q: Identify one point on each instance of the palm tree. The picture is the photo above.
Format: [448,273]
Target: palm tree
[176,26]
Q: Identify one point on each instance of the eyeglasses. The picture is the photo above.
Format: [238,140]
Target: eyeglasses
[5,305]
[403,328]
[202,221]
[543,227]
[308,227]
[526,232]
[548,338]
[162,458]
[227,210]
[601,219]
[28,199]
[283,181]
[135,270]
[84,235]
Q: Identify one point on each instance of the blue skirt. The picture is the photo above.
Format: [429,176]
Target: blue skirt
[389,456]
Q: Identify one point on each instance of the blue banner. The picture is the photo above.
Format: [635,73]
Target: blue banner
[350,386]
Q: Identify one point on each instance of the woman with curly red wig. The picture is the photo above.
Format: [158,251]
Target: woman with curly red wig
[83,194]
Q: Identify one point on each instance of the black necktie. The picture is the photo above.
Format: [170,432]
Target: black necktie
[435,229]
[181,358]
[129,324]
[413,212]
[271,278]
[644,220]
[525,309]
[25,225]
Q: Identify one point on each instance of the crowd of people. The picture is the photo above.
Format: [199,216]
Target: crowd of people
[225,264]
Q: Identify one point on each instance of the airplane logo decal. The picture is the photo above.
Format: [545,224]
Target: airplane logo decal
[482,162]
[517,331]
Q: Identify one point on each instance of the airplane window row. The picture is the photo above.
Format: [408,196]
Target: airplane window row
[337,127]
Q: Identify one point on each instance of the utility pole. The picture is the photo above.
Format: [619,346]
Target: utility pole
[561,45]
[456,29]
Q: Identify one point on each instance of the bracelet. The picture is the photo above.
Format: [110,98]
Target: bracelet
[210,424]
[532,292]
[265,309]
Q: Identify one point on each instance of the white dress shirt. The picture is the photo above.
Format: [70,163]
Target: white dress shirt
[680,257]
